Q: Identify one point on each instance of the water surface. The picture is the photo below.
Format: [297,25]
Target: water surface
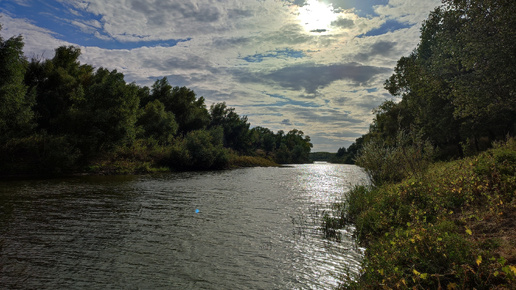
[255,228]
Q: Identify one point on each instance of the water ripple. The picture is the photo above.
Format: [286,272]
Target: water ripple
[254,228]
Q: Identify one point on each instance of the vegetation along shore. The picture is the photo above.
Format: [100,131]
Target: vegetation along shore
[440,211]
[59,116]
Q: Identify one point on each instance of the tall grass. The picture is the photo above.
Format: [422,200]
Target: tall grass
[409,156]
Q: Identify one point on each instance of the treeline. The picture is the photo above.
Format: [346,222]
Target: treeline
[436,225]
[457,87]
[449,227]
[59,115]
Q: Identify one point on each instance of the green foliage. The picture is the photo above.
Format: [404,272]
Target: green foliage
[107,116]
[142,156]
[237,161]
[348,156]
[294,147]
[235,128]
[204,154]
[59,86]
[263,138]
[157,123]
[409,156]
[456,87]
[16,116]
[199,150]
[59,115]
[449,227]
[190,112]
[322,156]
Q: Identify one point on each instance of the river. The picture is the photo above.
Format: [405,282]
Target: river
[254,228]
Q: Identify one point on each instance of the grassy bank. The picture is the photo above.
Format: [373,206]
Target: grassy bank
[237,161]
[452,227]
[141,160]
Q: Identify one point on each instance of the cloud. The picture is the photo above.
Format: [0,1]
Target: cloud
[311,77]
[255,55]
[380,48]
[286,122]
[343,23]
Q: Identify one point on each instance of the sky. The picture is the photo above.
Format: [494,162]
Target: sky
[314,65]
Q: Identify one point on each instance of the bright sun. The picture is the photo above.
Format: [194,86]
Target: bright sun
[316,16]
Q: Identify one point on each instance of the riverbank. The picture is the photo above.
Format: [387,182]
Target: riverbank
[453,227]
[136,166]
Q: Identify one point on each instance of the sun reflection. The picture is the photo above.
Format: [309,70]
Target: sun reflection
[316,16]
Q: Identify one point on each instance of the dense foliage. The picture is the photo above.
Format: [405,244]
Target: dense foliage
[442,225]
[58,115]
[457,87]
[452,227]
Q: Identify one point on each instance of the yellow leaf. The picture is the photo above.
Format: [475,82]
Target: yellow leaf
[479,260]
[468,231]
[424,276]
[513,269]
[416,272]
[403,281]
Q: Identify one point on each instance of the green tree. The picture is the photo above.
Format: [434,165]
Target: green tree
[59,84]
[262,138]
[190,112]
[16,116]
[294,147]
[206,152]
[236,128]
[107,116]
[157,123]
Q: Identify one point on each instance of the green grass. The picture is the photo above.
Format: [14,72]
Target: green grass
[237,161]
[453,227]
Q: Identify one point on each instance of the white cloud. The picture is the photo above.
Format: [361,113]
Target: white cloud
[39,42]
[327,92]
[407,10]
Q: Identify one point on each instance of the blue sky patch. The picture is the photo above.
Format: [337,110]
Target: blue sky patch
[283,54]
[388,26]
[362,8]
[60,18]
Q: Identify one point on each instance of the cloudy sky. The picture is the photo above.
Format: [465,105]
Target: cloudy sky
[314,65]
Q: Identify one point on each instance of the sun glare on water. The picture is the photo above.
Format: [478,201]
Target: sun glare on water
[316,16]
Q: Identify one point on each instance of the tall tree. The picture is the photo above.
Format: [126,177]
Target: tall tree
[16,116]
[158,123]
[60,84]
[236,128]
[107,117]
[190,111]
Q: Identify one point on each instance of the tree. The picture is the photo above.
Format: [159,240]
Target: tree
[190,112]
[294,147]
[236,128]
[16,116]
[262,138]
[59,84]
[107,116]
[157,123]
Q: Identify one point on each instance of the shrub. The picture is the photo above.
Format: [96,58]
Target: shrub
[411,156]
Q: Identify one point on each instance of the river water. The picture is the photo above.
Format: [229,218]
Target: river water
[255,228]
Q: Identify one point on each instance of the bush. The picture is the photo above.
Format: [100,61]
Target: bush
[452,227]
[199,150]
[411,156]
